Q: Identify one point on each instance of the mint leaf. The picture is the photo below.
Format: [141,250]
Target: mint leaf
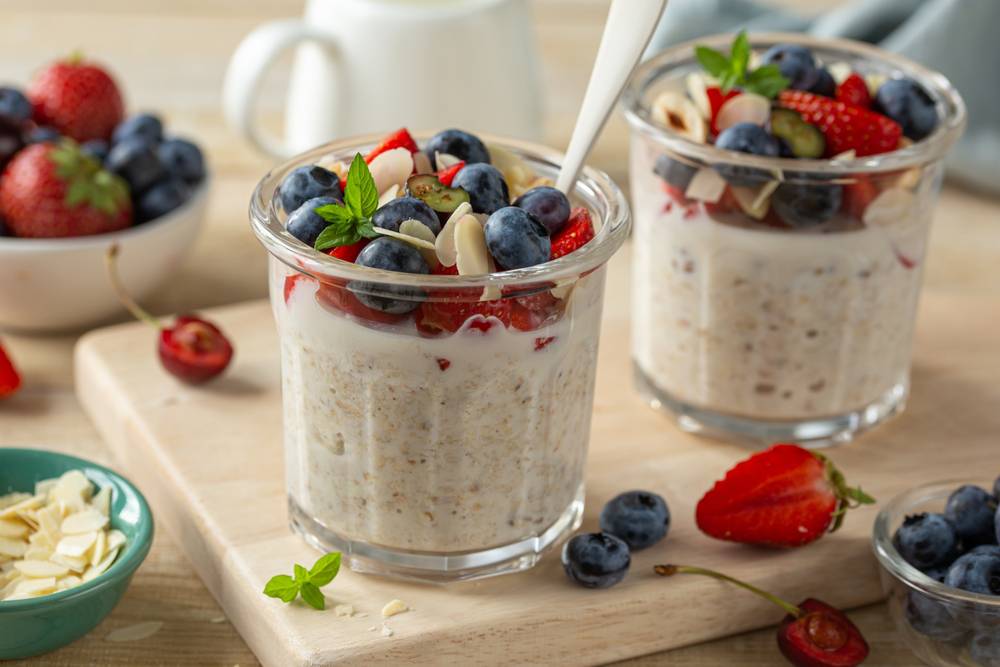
[361,196]
[344,228]
[366,229]
[313,596]
[740,55]
[301,574]
[335,214]
[282,586]
[714,62]
[332,237]
[767,81]
[325,569]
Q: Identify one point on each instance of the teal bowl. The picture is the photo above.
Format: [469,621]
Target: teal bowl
[37,625]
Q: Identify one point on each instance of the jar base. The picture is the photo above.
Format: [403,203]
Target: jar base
[813,433]
[438,567]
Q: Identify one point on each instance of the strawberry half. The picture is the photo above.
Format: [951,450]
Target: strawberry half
[716,98]
[348,253]
[858,194]
[79,99]
[854,91]
[844,126]
[446,176]
[342,299]
[785,496]
[10,380]
[401,138]
[434,318]
[579,230]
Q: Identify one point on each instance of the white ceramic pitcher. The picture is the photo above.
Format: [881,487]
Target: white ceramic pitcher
[367,66]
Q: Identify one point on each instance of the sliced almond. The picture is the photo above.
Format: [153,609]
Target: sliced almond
[394,607]
[891,207]
[840,70]
[445,160]
[49,520]
[13,499]
[43,486]
[392,167]
[514,169]
[697,85]
[39,569]
[706,185]
[134,633]
[422,163]
[678,113]
[563,288]
[76,546]
[12,547]
[445,242]
[20,509]
[846,156]
[32,587]
[755,201]
[471,256]
[87,521]
[417,229]
[102,501]
[412,240]
[391,193]
[43,539]
[69,581]
[745,108]
[909,179]
[101,567]
[116,539]
[98,551]
[77,564]
[38,553]
[13,528]
[875,81]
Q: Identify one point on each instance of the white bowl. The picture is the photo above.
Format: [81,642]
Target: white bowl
[62,284]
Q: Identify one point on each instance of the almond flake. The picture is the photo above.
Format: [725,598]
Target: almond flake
[116,539]
[471,256]
[134,633]
[909,179]
[696,86]
[755,202]
[101,567]
[394,607]
[745,108]
[69,581]
[43,486]
[445,160]
[39,569]
[891,207]
[875,81]
[840,70]
[417,229]
[412,240]
[392,167]
[445,242]
[76,546]
[33,587]
[13,499]
[84,522]
[19,509]
[391,192]
[847,155]
[38,553]
[76,563]
[422,163]
[13,548]
[706,185]
[515,170]
[13,528]
[102,501]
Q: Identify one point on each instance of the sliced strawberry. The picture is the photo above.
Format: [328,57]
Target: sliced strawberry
[854,91]
[10,380]
[785,496]
[858,195]
[342,299]
[530,313]
[291,281]
[442,270]
[716,98]
[542,342]
[401,138]
[727,203]
[579,230]
[434,318]
[348,253]
[446,176]
[844,126]
[343,183]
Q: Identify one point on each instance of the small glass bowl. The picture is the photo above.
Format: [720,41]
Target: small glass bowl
[941,625]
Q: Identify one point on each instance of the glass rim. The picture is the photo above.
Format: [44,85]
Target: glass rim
[933,147]
[604,199]
[893,563]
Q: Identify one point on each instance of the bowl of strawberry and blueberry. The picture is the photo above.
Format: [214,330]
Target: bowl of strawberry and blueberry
[783,189]
[436,290]
[79,174]
[937,546]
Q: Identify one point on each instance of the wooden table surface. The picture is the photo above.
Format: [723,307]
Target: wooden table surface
[170,56]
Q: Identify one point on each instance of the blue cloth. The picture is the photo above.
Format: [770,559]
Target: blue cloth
[958,38]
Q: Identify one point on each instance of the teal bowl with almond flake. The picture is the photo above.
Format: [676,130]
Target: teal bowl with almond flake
[40,624]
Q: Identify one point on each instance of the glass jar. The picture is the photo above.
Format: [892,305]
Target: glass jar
[421,440]
[752,319]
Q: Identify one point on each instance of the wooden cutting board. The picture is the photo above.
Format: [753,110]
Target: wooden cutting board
[210,461]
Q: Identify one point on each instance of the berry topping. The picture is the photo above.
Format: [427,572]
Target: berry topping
[746,138]
[308,182]
[854,91]
[802,139]
[406,208]
[548,205]
[802,204]
[448,316]
[926,540]
[399,139]
[972,510]
[906,102]
[77,98]
[977,571]
[785,496]
[305,223]
[137,162]
[640,518]
[516,239]
[390,254]
[183,160]
[162,198]
[677,174]
[10,380]
[845,127]
[14,106]
[439,197]
[796,63]
[461,144]
[486,187]
[145,126]
[825,84]
[931,618]
[447,175]
[579,230]
[596,560]
[349,252]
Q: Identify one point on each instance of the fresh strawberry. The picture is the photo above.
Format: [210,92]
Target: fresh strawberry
[530,313]
[291,281]
[446,176]
[348,253]
[10,381]
[854,91]
[858,194]
[434,318]
[578,231]
[716,98]
[401,138]
[78,98]
[844,126]
[342,299]
[51,190]
[785,496]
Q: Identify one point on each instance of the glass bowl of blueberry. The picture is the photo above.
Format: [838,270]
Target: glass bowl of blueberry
[940,568]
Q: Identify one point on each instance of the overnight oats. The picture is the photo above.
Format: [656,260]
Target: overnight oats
[438,310]
[783,191]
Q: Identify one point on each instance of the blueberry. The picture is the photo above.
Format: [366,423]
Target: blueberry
[516,239]
[931,618]
[391,255]
[937,573]
[183,159]
[11,140]
[161,198]
[145,126]
[796,63]
[926,540]
[14,106]
[803,205]
[746,138]
[305,224]
[674,172]
[906,102]
[825,84]
[984,649]
[641,518]
[406,208]
[977,572]
[308,182]
[996,489]
[41,134]
[485,185]
[972,511]
[461,144]
[596,560]
[549,206]
[135,160]
[96,148]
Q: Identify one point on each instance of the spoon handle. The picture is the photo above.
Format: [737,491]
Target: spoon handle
[628,30]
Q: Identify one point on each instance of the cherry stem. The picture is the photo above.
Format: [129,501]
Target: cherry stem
[670,570]
[130,304]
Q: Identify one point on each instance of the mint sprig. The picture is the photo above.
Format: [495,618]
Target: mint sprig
[305,582]
[731,70]
[352,221]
